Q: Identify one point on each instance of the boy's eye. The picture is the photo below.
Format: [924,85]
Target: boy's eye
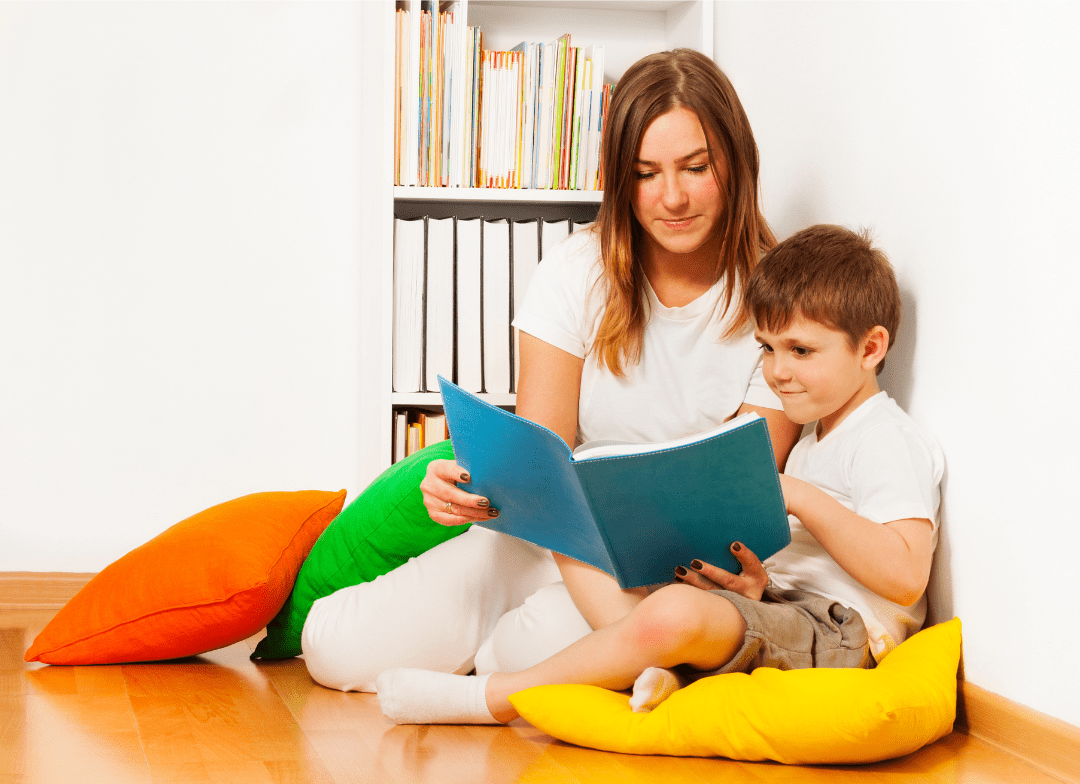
[765,347]
[800,351]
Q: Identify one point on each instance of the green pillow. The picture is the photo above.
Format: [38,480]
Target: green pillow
[378,532]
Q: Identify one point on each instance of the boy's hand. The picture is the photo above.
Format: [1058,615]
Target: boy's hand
[750,583]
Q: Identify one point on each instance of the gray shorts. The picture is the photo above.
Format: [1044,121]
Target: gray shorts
[793,630]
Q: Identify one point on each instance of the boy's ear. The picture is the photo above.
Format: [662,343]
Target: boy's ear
[874,347]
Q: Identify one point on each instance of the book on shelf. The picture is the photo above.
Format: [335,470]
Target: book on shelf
[545,116]
[415,438]
[408,321]
[495,292]
[467,330]
[595,55]
[552,232]
[401,437]
[636,511]
[525,255]
[580,68]
[439,302]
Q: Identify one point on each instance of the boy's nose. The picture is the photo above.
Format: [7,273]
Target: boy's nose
[778,369]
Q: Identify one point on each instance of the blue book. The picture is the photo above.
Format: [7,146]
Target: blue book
[634,511]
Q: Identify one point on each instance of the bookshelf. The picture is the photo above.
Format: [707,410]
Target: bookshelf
[628,31]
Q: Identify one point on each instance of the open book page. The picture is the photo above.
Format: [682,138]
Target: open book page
[594,449]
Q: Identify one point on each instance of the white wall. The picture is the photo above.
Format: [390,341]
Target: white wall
[951,129]
[182,234]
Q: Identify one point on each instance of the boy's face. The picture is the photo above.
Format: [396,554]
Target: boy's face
[816,373]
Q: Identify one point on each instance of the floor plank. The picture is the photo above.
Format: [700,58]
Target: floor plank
[222,718]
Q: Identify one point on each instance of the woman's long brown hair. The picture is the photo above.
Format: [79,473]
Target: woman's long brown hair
[653,86]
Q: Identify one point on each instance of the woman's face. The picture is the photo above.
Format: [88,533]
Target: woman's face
[676,197]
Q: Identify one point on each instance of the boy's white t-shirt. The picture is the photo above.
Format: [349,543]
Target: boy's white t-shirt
[688,380]
[879,463]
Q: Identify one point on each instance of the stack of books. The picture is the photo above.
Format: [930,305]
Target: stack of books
[457,285]
[529,117]
[415,428]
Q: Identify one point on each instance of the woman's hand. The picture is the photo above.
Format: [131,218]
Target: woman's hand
[446,503]
[750,582]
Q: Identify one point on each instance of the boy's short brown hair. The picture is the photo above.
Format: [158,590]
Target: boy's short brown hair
[830,275]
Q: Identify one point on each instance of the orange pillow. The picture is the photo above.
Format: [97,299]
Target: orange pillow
[211,580]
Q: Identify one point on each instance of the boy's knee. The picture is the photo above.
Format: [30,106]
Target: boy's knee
[670,618]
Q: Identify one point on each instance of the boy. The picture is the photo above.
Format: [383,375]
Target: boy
[861,490]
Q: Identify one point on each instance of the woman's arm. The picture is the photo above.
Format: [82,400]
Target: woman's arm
[782,431]
[549,386]
[548,392]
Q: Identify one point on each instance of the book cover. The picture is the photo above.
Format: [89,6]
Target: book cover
[637,512]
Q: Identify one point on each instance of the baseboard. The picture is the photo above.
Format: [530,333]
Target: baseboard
[1047,743]
[39,590]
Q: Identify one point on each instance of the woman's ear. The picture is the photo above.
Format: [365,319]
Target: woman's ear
[874,347]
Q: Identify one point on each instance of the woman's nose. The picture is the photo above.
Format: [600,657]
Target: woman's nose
[674,195]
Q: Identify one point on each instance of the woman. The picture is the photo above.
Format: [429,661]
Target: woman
[632,330]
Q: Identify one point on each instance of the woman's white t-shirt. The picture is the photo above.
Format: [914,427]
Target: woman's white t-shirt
[688,379]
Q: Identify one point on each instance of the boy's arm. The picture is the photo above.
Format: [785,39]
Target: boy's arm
[891,559]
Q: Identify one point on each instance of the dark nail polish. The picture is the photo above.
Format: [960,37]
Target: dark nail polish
[696,565]
[736,547]
[483,503]
[493,512]
[464,477]
[680,571]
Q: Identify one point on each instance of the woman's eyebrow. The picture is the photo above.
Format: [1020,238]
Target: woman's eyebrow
[687,157]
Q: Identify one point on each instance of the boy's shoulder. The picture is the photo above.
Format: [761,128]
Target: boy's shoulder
[886,427]
[878,430]
[882,412]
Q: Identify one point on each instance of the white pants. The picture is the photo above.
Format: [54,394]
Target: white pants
[437,610]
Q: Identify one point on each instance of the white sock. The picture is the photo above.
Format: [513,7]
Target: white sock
[653,687]
[409,696]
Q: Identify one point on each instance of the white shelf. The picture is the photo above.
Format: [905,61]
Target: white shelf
[627,31]
[435,399]
[524,195]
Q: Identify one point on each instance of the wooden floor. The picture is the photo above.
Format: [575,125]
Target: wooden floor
[223,718]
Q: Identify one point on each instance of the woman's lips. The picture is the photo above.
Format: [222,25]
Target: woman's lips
[676,225]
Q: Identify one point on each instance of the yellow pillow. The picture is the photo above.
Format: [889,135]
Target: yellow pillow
[804,717]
